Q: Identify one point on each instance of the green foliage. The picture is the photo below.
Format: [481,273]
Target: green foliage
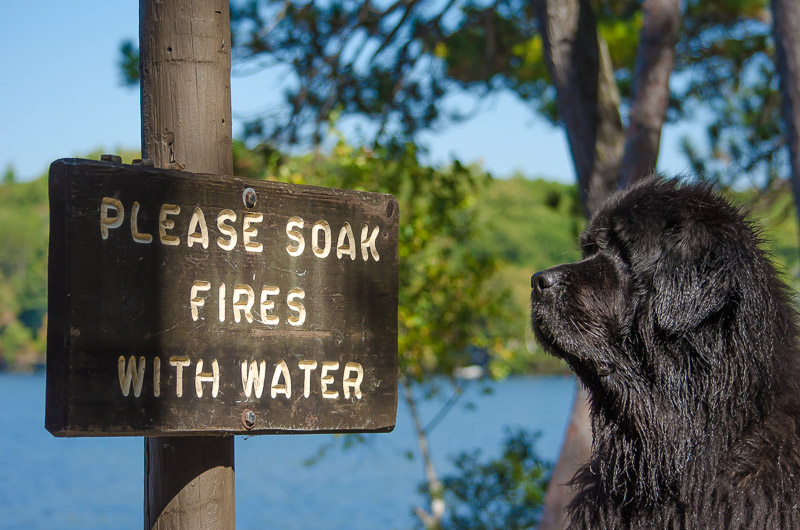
[505,492]
[774,214]
[8,176]
[446,303]
[468,246]
[346,57]
[129,63]
[24,228]
[394,65]
[726,58]
[530,226]
[15,337]
[621,33]
[23,266]
[532,222]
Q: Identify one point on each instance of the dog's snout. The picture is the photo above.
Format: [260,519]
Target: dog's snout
[544,280]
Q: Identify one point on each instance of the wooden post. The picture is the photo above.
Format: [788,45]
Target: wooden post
[186,124]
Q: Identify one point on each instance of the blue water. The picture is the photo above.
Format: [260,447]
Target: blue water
[48,482]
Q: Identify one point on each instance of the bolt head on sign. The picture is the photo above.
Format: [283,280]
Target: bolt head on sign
[182,303]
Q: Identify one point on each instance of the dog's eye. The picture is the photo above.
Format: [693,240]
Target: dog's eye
[589,248]
[619,246]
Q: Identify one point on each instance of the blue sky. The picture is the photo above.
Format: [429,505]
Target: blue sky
[62,96]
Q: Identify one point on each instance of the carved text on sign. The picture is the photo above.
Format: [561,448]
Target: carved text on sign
[133,372]
[112,216]
[178,302]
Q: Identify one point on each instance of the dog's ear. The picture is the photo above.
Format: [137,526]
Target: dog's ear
[690,286]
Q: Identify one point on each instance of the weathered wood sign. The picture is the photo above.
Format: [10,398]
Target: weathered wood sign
[182,303]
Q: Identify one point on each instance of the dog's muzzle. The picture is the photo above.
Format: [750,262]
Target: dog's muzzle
[543,282]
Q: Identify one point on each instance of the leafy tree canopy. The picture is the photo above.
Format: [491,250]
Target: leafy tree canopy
[395,62]
[503,492]
[446,304]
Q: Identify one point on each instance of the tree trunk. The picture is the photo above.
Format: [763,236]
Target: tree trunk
[588,105]
[586,94]
[574,452]
[655,60]
[185,67]
[432,520]
[786,28]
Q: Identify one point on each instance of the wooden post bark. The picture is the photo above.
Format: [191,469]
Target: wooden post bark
[185,66]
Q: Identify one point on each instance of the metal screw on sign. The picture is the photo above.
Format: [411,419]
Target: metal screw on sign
[249,197]
[248,419]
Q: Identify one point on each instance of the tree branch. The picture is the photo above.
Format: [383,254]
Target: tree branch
[434,518]
[655,60]
[410,5]
[458,393]
[586,94]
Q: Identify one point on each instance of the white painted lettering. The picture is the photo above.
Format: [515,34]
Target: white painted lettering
[324,227]
[131,374]
[369,243]
[201,377]
[296,236]
[286,389]
[137,236]
[297,307]
[222,302]
[254,377]
[353,383]
[157,376]
[349,247]
[268,305]
[249,232]
[198,220]
[165,224]
[228,230]
[307,367]
[179,363]
[106,222]
[243,306]
[195,300]
[326,379]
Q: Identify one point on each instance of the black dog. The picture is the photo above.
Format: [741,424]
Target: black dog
[686,341]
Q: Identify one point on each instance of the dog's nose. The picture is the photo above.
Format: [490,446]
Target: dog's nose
[543,280]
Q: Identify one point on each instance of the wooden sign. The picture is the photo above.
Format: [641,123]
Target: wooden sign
[182,303]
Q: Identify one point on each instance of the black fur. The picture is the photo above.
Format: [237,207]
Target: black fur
[686,340]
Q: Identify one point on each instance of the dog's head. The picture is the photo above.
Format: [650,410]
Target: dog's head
[672,297]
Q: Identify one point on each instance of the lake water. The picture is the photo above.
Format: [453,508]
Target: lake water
[46,482]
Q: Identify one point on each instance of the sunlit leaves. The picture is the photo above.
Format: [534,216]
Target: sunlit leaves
[23,266]
[129,63]
[447,303]
[727,60]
